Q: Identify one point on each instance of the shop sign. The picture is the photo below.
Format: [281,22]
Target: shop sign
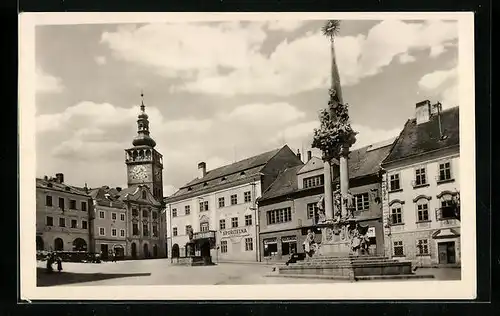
[289,239]
[371,232]
[235,232]
[270,241]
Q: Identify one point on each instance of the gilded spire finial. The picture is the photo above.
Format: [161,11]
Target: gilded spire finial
[142,102]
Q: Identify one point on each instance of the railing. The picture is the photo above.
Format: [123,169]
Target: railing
[203,235]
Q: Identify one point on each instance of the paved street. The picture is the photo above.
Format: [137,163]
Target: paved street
[161,272]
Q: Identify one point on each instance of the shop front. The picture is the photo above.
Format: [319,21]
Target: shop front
[279,246]
[238,244]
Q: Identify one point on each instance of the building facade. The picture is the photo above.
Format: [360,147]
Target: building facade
[289,208]
[221,203]
[421,181]
[62,216]
[109,222]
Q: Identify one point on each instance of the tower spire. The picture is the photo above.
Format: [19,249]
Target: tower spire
[143,137]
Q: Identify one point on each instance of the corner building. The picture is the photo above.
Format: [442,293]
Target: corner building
[422,177]
[220,204]
[62,216]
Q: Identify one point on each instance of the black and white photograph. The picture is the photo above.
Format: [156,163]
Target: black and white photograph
[299,156]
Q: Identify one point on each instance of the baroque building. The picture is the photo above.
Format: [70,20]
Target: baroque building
[219,206]
[62,216]
[421,180]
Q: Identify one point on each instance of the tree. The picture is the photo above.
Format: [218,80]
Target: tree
[335,132]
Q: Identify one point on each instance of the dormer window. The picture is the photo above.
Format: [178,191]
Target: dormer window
[205,184]
[49,185]
[144,194]
[242,173]
[67,188]
[223,179]
[190,189]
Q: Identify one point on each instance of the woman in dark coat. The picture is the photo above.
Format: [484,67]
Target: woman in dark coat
[59,264]
[50,261]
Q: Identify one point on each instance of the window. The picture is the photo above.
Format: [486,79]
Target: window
[204,227]
[398,248]
[84,206]
[73,223]
[234,222]
[188,227]
[101,214]
[50,221]
[174,231]
[145,213]
[423,247]
[122,232]
[222,202]
[394,182]
[102,231]
[447,208]
[423,211]
[61,203]
[247,196]
[113,232]
[72,204]
[279,216]
[203,206]
[144,195]
[135,229]
[122,217]
[113,216]
[223,246]
[420,178]
[135,212]
[315,181]
[154,215]
[62,222]
[48,200]
[362,201]
[312,210]
[248,244]
[145,230]
[84,224]
[155,230]
[248,220]
[187,209]
[270,247]
[396,215]
[234,199]
[288,245]
[174,212]
[222,224]
[444,171]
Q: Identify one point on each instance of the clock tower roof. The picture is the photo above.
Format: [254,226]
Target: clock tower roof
[143,138]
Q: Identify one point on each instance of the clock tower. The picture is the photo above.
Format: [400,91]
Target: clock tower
[144,162]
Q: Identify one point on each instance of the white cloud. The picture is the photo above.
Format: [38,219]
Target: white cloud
[46,83]
[441,84]
[284,25]
[406,58]
[198,53]
[259,113]
[436,79]
[368,135]
[100,60]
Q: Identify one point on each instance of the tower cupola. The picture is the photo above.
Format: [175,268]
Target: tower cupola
[143,138]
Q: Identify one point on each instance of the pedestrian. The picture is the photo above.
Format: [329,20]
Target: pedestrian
[291,259]
[49,263]
[59,264]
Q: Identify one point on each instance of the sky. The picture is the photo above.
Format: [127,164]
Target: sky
[219,92]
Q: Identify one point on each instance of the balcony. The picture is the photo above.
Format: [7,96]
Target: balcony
[446,216]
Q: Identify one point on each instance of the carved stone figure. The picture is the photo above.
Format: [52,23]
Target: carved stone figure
[321,210]
[358,239]
[309,243]
[190,233]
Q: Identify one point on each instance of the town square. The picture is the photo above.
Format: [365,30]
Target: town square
[248,152]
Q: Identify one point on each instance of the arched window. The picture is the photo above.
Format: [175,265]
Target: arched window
[396,212]
[58,244]
[79,245]
[422,208]
[175,251]
[134,250]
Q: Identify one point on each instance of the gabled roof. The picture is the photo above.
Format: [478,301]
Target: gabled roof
[425,137]
[364,161]
[242,170]
[106,196]
[314,163]
[134,194]
[61,187]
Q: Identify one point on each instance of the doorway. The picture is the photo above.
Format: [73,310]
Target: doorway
[104,251]
[205,249]
[58,244]
[146,251]
[155,251]
[39,243]
[134,250]
[446,252]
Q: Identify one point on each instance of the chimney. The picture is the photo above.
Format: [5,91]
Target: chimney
[60,177]
[423,111]
[202,169]
[118,189]
[309,155]
[299,155]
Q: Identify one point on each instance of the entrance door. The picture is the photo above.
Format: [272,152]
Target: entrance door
[104,251]
[205,249]
[446,252]
[146,251]
[134,250]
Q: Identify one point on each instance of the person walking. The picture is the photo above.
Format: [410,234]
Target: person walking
[59,264]
[50,260]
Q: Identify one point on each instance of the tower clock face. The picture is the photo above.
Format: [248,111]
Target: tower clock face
[139,172]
